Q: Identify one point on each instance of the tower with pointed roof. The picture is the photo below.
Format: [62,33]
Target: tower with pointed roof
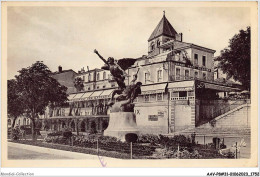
[163,32]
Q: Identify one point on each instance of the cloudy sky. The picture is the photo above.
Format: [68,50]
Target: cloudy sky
[67,36]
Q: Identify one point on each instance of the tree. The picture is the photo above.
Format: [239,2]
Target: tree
[236,59]
[14,102]
[78,84]
[37,90]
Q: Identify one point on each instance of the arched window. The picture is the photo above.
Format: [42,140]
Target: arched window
[104,75]
[97,76]
[82,126]
[19,122]
[24,121]
[72,126]
[158,43]
[152,46]
[187,74]
[28,121]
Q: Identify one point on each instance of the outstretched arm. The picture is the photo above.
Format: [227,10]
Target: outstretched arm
[96,52]
[135,77]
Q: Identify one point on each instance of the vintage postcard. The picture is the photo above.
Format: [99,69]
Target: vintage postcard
[129,84]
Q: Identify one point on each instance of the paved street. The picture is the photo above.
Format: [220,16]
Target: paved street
[22,151]
[18,153]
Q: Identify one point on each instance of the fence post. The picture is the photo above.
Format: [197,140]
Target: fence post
[131,150]
[204,142]
[97,147]
[236,150]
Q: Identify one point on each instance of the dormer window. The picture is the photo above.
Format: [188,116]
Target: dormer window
[158,43]
[152,46]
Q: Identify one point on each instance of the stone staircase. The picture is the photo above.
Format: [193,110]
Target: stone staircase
[235,122]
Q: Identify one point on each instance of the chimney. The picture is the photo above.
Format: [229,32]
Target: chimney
[181,36]
[60,69]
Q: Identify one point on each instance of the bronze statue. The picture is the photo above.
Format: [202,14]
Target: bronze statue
[116,71]
[125,95]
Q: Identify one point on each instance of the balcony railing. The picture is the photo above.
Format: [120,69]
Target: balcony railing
[183,77]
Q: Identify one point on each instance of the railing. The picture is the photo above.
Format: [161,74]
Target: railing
[225,109]
[183,98]
[183,77]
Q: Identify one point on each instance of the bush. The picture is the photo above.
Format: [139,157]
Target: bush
[148,138]
[104,142]
[67,134]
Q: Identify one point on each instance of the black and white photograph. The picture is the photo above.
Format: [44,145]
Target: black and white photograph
[127,81]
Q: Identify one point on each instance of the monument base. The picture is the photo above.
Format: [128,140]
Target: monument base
[120,124]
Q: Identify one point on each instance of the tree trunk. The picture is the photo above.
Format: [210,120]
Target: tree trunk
[34,138]
[12,128]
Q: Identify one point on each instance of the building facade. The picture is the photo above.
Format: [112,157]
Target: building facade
[178,90]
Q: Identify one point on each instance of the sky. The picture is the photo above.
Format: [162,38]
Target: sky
[67,36]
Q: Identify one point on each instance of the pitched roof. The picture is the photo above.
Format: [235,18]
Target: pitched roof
[163,28]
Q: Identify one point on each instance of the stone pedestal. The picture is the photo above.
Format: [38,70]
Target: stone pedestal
[120,124]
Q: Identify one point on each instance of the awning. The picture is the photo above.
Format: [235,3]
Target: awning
[220,88]
[71,96]
[106,93]
[95,95]
[86,96]
[78,96]
[151,89]
[181,86]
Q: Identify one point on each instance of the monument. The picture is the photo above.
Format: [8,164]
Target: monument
[122,120]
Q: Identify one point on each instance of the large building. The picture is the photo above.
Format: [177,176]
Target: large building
[178,89]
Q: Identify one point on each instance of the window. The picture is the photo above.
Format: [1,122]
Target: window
[175,94]
[196,75]
[19,122]
[178,74]
[187,73]
[104,75]
[152,47]
[183,94]
[204,76]
[97,76]
[146,98]
[89,77]
[146,77]
[204,60]
[24,121]
[9,121]
[159,75]
[28,122]
[83,78]
[158,43]
[97,87]
[104,86]
[159,96]
[196,59]
[89,88]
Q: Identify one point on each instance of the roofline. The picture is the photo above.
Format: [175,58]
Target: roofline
[200,47]
[159,36]
[64,71]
